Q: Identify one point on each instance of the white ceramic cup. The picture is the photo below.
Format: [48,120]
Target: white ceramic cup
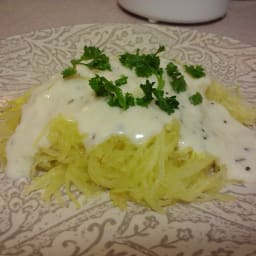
[178,11]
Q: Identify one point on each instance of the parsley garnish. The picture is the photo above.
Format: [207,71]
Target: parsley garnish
[101,85]
[115,97]
[196,99]
[196,71]
[147,89]
[111,90]
[118,99]
[70,71]
[167,104]
[93,58]
[178,82]
[145,65]
[121,81]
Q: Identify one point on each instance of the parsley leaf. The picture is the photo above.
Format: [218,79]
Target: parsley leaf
[147,88]
[144,65]
[101,63]
[100,85]
[91,52]
[167,104]
[121,81]
[178,82]
[97,60]
[130,100]
[196,99]
[70,71]
[115,97]
[172,69]
[196,71]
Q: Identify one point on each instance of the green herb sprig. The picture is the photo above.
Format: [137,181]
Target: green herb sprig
[147,89]
[145,65]
[116,98]
[178,82]
[112,91]
[196,71]
[92,57]
[167,104]
[196,98]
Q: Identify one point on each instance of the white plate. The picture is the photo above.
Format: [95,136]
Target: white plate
[29,227]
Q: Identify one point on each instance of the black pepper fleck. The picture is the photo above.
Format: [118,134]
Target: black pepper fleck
[225,121]
[240,159]
[247,168]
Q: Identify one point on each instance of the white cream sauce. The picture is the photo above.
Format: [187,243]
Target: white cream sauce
[207,127]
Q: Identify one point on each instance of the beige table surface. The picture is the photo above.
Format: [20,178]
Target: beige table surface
[20,16]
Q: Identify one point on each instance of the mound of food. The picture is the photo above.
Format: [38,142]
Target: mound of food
[146,129]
